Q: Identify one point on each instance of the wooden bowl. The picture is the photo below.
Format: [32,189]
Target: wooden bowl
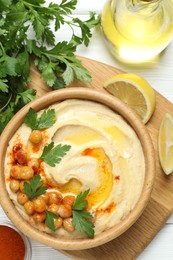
[117,106]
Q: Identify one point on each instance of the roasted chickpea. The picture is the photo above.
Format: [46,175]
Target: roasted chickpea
[22,198]
[54,208]
[58,223]
[54,197]
[34,164]
[15,172]
[67,224]
[45,196]
[39,205]
[65,211]
[14,185]
[21,186]
[29,207]
[21,156]
[36,137]
[39,217]
[69,199]
[26,173]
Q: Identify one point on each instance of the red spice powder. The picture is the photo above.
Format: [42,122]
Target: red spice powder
[117,178]
[87,151]
[17,147]
[109,209]
[12,246]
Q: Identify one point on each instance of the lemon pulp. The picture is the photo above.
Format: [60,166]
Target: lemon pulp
[135,91]
[165,143]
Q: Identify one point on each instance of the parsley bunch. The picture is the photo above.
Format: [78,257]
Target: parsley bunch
[56,61]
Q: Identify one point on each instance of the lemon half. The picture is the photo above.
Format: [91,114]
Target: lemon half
[165,143]
[135,91]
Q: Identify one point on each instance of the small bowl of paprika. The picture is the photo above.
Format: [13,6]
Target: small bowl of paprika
[14,244]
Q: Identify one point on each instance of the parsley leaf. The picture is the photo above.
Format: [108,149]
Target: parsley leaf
[81,217]
[31,118]
[3,86]
[53,155]
[81,223]
[46,120]
[80,204]
[50,216]
[5,117]
[34,188]
[26,96]
[4,4]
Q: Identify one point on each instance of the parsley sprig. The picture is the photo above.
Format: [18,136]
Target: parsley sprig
[81,217]
[34,188]
[46,120]
[50,216]
[52,155]
[55,60]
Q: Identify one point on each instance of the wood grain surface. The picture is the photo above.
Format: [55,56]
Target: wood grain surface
[132,242]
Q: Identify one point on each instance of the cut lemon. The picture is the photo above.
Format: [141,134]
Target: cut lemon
[165,143]
[135,91]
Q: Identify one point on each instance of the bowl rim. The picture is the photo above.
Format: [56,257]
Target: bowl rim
[148,150]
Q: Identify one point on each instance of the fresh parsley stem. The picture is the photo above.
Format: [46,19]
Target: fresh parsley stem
[29,5]
[2,48]
[69,24]
[3,108]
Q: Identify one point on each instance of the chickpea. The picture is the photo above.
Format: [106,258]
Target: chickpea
[54,197]
[36,137]
[22,198]
[45,196]
[39,205]
[14,185]
[21,186]
[15,172]
[67,224]
[34,164]
[21,156]
[65,211]
[29,207]
[54,208]
[39,217]
[69,199]
[26,173]
[58,223]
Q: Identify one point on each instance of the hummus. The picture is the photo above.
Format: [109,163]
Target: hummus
[105,156]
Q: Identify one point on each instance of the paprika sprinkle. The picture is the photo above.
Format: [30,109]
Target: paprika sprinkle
[12,245]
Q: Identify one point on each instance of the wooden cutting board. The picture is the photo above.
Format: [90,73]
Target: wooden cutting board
[132,242]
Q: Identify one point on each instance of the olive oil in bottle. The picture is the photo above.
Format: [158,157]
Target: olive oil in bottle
[137,30]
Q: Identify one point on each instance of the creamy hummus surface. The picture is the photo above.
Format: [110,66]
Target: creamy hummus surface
[105,156]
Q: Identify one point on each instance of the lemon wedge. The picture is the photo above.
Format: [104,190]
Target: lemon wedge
[165,143]
[135,91]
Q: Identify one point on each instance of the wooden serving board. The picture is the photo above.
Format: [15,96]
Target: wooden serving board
[130,244]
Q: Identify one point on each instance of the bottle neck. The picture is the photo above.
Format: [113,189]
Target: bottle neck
[143,6]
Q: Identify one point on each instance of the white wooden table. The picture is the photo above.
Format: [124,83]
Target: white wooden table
[160,76]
